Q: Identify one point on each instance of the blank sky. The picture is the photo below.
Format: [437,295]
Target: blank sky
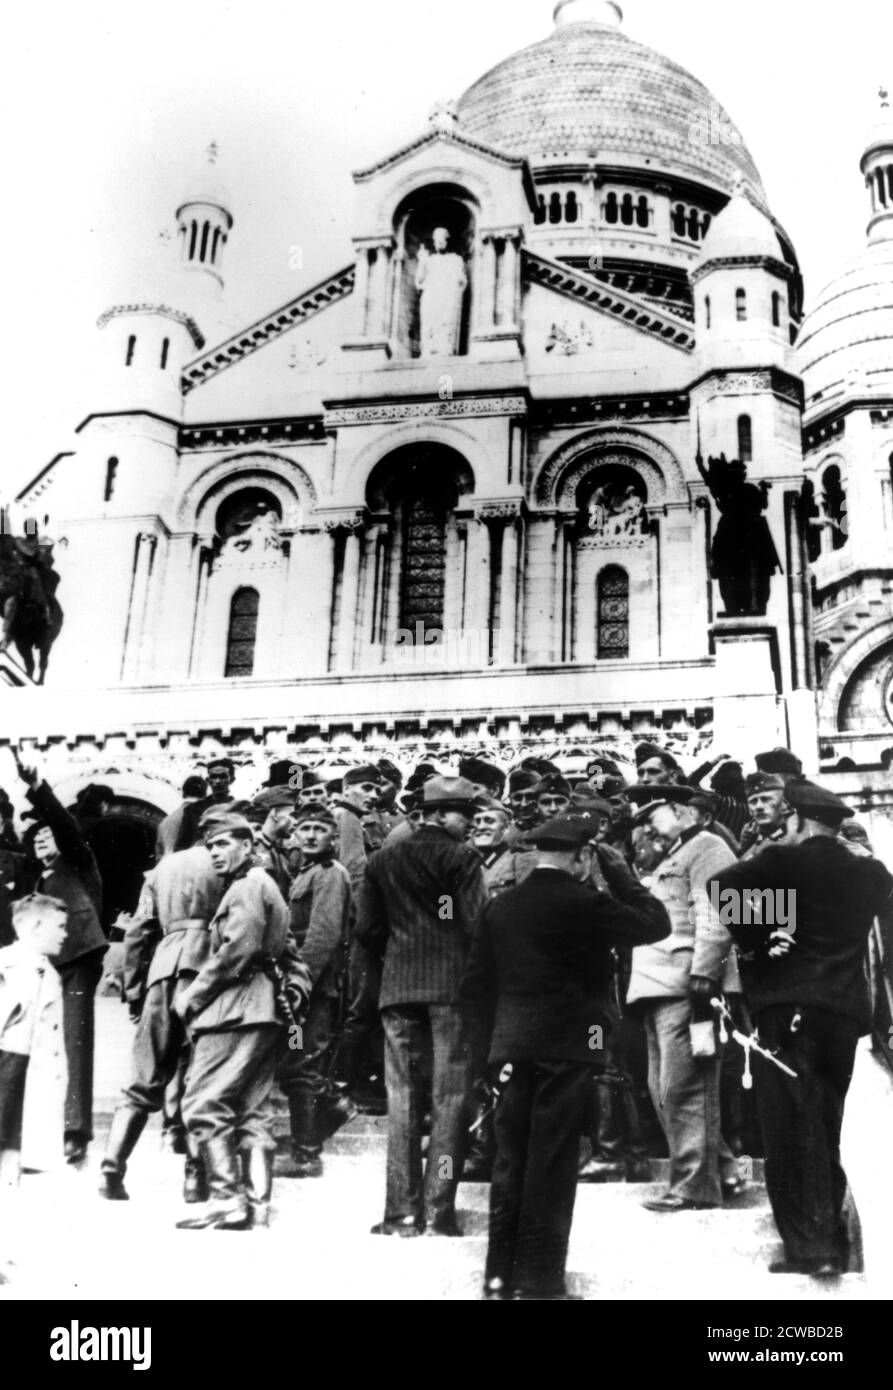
[109,108]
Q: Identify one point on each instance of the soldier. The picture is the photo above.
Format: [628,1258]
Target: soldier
[68,870]
[522,802]
[552,796]
[486,778]
[276,807]
[195,788]
[655,767]
[672,983]
[319,906]
[768,810]
[537,978]
[233,1012]
[221,774]
[805,984]
[314,791]
[420,900]
[165,946]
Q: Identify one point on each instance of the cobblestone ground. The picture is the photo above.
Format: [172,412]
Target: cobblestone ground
[318,1246]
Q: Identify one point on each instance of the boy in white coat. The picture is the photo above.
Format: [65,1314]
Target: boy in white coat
[32,1052]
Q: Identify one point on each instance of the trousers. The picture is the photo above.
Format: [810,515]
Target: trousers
[80,978]
[412,1031]
[685,1093]
[160,1047]
[228,1085]
[306,1069]
[538,1124]
[801,1119]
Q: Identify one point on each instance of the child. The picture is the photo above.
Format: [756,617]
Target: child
[32,1051]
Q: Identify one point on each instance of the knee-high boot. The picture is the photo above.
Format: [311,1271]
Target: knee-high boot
[257,1166]
[306,1160]
[127,1126]
[606,1163]
[228,1208]
[195,1179]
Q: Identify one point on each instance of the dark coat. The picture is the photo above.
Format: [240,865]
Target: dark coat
[838,895]
[418,905]
[541,964]
[74,878]
[319,906]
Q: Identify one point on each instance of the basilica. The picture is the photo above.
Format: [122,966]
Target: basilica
[555,462]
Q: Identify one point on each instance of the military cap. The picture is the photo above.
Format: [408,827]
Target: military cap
[320,814]
[764,782]
[602,764]
[390,772]
[313,779]
[284,773]
[93,795]
[646,751]
[816,803]
[521,779]
[222,808]
[779,760]
[648,798]
[420,775]
[552,783]
[411,800]
[270,798]
[700,797]
[584,799]
[541,766]
[566,831]
[367,772]
[491,803]
[457,792]
[476,770]
[613,786]
[226,823]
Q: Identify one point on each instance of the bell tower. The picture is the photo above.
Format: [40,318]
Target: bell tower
[204,223]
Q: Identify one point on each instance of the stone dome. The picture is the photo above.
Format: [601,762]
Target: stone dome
[588,91]
[845,344]
[740,229]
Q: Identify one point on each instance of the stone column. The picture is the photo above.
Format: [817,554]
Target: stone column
[371,596]
[309,603]
[146,542]
[537,647]
[361,291]
[205,561]
[508,603]
[485,285]
[177,610]
[347,616]
[508,284]
[379,292]
[477,589]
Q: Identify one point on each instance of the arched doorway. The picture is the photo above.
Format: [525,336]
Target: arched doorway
[123,841]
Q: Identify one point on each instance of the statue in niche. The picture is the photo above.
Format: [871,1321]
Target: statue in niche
[253,527]
[616,511]
[441,280]
[743,557]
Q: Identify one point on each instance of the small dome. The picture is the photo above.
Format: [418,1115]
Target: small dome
[845,344]
[589,92]
[741,229]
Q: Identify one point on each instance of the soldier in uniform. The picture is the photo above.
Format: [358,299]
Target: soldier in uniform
[672,983]
[521,800]
[275,807]
[552,796]
[537,978]
[165,946]
[320,907]
[221,774]
[232,1011]
[806,988]
[486,778]
[768,810]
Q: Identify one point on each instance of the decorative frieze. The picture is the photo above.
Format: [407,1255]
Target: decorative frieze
[425,410]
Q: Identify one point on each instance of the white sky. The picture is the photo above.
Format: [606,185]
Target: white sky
[109,108]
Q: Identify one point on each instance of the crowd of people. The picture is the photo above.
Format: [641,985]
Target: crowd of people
[533,978]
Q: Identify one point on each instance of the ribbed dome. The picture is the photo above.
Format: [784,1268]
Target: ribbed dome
[741,229]
[590,92]
[846,341]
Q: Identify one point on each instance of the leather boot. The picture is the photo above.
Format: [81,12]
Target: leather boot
[127,1126]
[306,1150]
[257,1166]
[334,1108]
[228,1209]
[478,1165]
[606,1163]
[195,1180]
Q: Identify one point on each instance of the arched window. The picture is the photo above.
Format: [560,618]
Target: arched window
[214,242]
[706,311]
[740,305]
[626,210]
[694,225]
[679,220]
[242,633]
[571,208]
[204,251]
[165,349]
[745,439]
[834,505]
[539,216]
[890,182]
[555,208]
[193,235]
[611,208]
[424,562]
[643,212]
[612,613]
[111,469]
[131,349]
[881,190]
[705,223]
[776,309]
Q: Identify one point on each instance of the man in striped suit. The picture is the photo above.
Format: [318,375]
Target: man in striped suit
[420,899]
